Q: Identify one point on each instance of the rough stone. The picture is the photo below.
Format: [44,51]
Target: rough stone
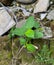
[41,6]
[6,22]
[26,1]
[51,15]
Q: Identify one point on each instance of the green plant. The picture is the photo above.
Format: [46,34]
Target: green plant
[30,30]
[43,57]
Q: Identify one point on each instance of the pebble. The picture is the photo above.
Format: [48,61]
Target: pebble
[50,15]
[47,33]
[41,6]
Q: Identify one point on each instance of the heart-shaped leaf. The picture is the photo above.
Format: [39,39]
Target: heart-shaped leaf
[19,31]
[29,33]
[38,34]
[22,41]
[30,47]
[36,24]
[29,23]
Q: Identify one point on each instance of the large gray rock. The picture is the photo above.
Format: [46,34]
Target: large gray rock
[41,6]
[26,1]
[6,22]
[51,15]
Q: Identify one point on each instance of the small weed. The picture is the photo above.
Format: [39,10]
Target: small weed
[27,33]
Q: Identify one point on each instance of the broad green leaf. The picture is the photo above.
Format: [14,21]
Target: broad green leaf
[29,23]
[29,33]
[19,31]
[22,41]
[30,47]
[38,34]
[36,24]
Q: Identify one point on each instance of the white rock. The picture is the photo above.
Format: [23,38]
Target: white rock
[41,6]
[51,15]
[43,15]
[6,22]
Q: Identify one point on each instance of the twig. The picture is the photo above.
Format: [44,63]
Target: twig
[20,50]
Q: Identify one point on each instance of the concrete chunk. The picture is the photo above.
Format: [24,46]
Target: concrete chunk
[6,22]
[41,6]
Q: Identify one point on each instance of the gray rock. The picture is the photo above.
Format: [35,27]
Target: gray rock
[26,1]
[41,6]
[6,22]
[51,15]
